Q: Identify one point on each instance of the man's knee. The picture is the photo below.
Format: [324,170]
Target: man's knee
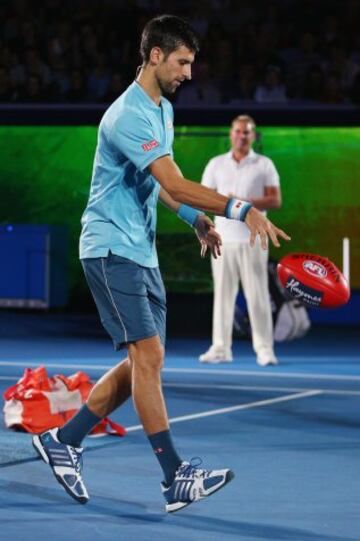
[147,355]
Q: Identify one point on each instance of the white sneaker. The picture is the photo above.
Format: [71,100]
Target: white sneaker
[65,462]
[267,359]
[192,484]
[215,356]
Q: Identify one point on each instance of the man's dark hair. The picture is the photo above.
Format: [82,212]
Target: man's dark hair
[167,32]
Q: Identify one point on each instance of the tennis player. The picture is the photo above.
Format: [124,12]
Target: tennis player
[133,168]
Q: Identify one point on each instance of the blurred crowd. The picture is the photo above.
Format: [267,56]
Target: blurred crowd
[86,51]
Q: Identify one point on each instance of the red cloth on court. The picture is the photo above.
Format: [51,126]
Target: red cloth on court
[38,402]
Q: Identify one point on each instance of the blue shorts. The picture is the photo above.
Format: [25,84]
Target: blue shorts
[130,299]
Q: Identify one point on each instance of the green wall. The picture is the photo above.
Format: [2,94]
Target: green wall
[45,174]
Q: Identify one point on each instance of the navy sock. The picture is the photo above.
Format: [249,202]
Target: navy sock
[75,430]
[166,454]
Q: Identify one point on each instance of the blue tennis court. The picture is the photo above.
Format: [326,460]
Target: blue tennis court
[290,433]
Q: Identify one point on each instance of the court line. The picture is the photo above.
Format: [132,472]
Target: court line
[258,388]
[295,375]
[216,371]
[182,418]
[230,409]
[237,387]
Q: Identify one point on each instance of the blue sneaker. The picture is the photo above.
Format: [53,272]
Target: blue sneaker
[65,462]
[192,484]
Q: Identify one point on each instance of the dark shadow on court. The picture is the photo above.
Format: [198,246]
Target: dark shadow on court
[59,502]
[21,492]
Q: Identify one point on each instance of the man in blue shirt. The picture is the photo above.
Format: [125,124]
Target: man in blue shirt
[134,167]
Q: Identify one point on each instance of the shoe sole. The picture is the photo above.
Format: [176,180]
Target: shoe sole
[216,361]
[271,363]
[173,507]
[36,442]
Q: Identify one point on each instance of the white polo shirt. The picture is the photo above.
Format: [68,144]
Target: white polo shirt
[244,180]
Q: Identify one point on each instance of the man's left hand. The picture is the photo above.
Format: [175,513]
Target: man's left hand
[208,237]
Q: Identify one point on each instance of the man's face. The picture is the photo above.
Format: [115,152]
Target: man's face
[171,71]
[242,136]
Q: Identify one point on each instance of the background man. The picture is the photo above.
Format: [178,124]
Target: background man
[247,175]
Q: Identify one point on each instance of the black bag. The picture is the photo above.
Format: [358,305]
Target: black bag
[290,317]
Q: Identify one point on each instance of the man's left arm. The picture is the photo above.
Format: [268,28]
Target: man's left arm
[202,224]
[168,201]
[272,192]
[270,200]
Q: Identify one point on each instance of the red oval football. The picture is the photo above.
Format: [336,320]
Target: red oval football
[313,280]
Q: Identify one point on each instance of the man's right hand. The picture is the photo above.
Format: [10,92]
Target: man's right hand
[262,226]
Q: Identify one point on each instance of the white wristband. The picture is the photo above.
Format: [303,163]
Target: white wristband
[236,209]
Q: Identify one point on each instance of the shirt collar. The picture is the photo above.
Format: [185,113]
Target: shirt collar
[145,96]
[250,156]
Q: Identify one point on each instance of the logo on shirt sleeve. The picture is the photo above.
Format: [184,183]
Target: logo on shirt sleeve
[149,145]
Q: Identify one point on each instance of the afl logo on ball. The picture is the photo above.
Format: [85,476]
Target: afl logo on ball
[314,268]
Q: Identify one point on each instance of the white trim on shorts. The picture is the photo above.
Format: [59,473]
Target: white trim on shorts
[112,298]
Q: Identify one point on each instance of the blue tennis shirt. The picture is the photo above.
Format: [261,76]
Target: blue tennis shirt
[121,211]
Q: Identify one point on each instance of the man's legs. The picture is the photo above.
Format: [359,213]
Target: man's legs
[184,483]
[139,376]
[147,359]
[226,282]
[60,448]
[112,390]
[254,279]
[132,307]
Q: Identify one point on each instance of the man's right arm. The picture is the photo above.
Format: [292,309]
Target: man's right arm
[184,191]
[169,176]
